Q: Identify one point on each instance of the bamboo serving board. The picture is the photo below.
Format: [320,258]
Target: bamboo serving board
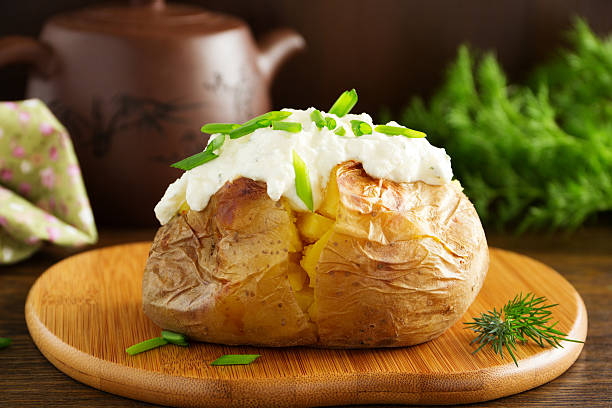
[84,311]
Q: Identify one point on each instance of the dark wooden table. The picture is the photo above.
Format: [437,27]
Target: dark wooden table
[27,379]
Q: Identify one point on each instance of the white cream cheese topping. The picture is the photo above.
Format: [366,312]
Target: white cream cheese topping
[266,155]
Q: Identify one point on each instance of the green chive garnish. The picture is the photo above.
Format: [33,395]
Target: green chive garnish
[202,157]
[293,127]
[249,128]
[272,115]
[360,128]
[174,338]
[5,342]
[224,128]
[340,131]
[302,181]
[146,345]
[235,359]
[330,123]
[317,118]
[398,130]
[344,103]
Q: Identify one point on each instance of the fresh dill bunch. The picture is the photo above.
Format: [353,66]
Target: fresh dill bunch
[522,318]
[529,157]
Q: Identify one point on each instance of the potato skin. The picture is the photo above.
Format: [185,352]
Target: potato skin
[404,262]
[220,275]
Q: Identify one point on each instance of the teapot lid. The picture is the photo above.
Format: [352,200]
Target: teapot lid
[143,17]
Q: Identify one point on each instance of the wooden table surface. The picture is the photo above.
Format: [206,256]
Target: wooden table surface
[27,379]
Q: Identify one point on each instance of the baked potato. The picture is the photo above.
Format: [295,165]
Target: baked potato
[379,264]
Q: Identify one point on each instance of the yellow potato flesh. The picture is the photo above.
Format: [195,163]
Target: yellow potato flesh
[329,206]
[312,253]
[313,226]
[297,277]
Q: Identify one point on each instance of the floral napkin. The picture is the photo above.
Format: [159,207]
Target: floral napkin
[42,195]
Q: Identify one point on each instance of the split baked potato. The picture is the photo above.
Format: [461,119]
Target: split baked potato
[379,264]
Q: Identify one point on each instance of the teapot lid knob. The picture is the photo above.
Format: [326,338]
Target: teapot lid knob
[154,4]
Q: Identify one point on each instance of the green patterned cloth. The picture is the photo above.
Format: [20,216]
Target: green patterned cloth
[42,195]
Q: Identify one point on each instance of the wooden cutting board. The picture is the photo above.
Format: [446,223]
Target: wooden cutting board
[84,311]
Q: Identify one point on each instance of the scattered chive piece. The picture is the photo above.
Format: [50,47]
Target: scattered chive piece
[344,103]
[5,342]
[195,160]
[174,338]
[330,123]
[317,118]
[215,144]
[272,115]
[146,345]
[302,181]
[398,130]
[224,128]
[293,127]
[235,359]
[202,157]
[360,128]
[340,131]
[247,129]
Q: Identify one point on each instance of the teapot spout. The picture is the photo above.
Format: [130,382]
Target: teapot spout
[275,48]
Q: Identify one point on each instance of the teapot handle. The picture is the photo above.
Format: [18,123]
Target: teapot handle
[276,47]
[19,49]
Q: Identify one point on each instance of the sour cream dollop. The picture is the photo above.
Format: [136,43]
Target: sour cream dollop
[267,155]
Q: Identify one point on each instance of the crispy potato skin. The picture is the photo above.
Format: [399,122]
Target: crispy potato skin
[220,275]
[404,262]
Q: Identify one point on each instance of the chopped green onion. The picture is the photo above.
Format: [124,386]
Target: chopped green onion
[224,128]
[398,130]
[330,123]
[5,342]
[235,359]
[195,160]
[302,181]
[344,103]
[317,118]
[340,131]
[293,127]
[249,128]
[360,128]
[146,345]
[272,115]
[174,338]
[202,157]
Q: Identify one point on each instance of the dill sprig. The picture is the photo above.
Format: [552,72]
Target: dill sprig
[522,318]
[531,156]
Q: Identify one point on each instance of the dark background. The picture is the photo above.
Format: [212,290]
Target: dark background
[388,49]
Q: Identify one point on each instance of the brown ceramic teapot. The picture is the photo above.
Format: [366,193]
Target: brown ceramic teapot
[134,83]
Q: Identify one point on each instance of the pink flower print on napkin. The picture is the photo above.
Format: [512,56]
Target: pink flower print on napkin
[25,188]
[53,153]
[11,105]
[3,221]
[24,117]
[18,151]
[6,174]
[74,173]
[32,240]
[47,177]
[46,129]
[53,233]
